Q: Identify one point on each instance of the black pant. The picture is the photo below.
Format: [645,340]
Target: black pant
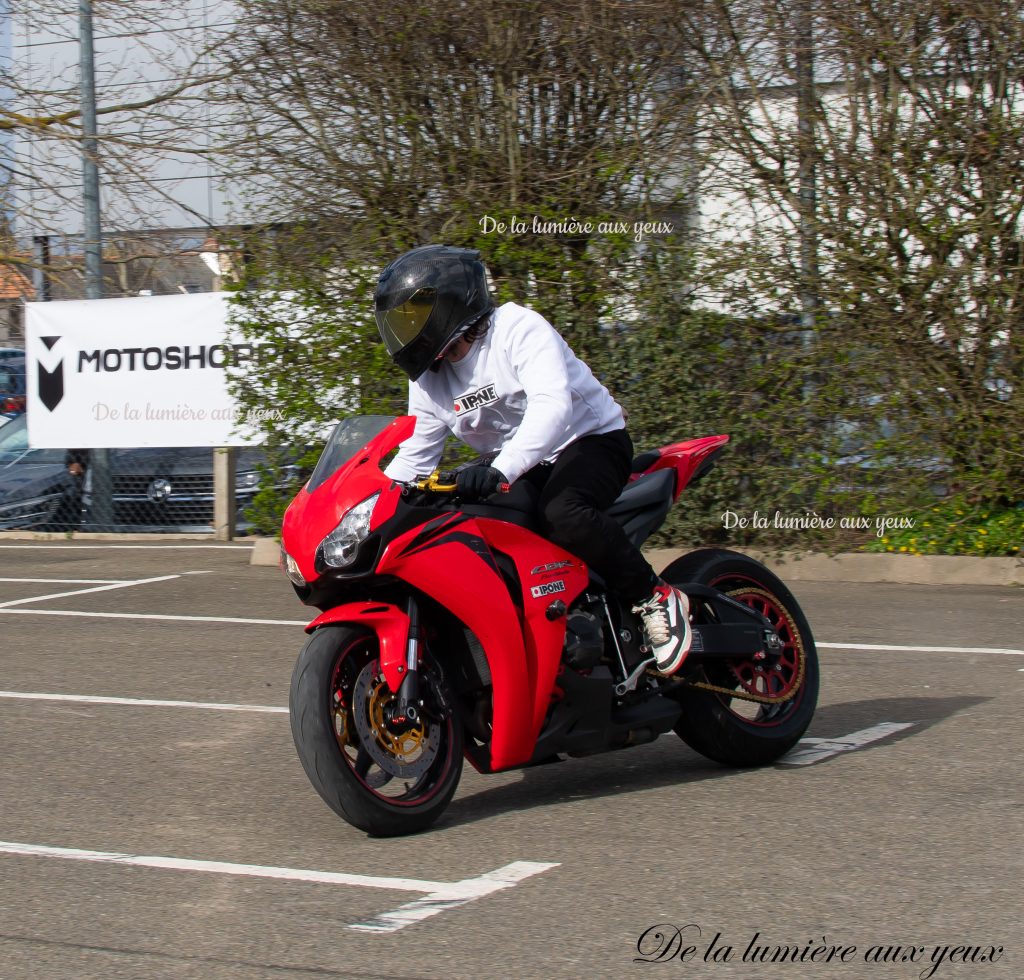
[575,492]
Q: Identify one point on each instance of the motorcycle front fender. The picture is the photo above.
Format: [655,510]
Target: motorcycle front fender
[390,624]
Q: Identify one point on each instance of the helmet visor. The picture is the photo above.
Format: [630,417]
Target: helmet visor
[404,323]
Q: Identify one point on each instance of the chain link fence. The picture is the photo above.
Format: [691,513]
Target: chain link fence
[160,491]
[148,490]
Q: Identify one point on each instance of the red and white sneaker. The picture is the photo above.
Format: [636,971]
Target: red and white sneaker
[666,620]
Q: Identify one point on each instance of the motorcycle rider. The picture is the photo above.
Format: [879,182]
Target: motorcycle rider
[502,379]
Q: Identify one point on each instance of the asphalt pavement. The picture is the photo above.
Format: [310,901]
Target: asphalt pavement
[155,820]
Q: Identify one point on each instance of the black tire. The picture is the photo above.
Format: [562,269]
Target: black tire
[728,730]
[335,678]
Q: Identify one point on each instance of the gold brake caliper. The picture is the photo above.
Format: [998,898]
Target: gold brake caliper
[401,746]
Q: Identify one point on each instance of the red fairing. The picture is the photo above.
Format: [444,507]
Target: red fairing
[685,458]
[311,517]
[451,559]
[544,570]
[390,624]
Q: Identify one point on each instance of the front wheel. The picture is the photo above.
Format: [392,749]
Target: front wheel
[383,778]
[741,712]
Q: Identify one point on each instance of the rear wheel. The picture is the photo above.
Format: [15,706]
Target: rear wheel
[384,778]
[744,712]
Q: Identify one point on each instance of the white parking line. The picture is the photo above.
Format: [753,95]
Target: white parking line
[806,752]
[439,895]
[68,581]
[810,750]
[98,588]
[171,618]
[161,617]
[1006,651]
[128,547]
[450,896]
[142,702]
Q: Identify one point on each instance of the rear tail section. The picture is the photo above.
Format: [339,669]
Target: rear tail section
[689,461]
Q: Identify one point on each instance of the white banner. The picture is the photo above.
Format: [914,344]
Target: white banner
[145,371]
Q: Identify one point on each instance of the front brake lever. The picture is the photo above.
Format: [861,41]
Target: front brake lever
[435,483]
[445,483]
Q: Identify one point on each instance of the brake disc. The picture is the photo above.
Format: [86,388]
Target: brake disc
[406,755]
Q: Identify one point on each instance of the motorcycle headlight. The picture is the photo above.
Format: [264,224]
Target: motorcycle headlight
[291,568]
[340,547]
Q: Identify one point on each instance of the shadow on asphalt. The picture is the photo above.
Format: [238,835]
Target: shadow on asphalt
[595,777]
[669,763]
[836,720]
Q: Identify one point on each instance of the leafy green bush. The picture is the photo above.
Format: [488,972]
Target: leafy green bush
[957,526]
[812,423]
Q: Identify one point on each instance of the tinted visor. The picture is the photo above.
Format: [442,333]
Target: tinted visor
[403,324]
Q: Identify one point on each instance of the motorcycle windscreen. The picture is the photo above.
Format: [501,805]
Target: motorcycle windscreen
[349,436]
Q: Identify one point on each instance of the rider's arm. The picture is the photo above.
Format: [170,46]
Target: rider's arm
[535,353]
[421,452]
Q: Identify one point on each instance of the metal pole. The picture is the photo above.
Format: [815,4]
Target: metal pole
[807,154]
[807,191]
[99,465]
[92,244]
[41,274]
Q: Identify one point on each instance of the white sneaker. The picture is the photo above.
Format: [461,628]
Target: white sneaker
[666,619]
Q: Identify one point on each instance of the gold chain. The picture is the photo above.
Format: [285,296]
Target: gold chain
[764,698]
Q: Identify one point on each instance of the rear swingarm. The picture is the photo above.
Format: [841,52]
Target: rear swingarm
[739,631]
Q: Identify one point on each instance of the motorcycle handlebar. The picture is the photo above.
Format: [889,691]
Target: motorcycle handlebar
[445,483]
[435,484]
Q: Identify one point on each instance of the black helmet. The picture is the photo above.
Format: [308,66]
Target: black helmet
[426,299]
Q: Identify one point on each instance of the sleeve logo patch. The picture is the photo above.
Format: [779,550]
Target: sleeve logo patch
[474,399]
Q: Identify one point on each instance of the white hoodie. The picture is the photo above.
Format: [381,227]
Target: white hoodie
[519,390]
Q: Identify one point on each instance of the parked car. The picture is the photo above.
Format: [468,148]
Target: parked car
[151,489]
[172,489]
[36,490]
[12,385]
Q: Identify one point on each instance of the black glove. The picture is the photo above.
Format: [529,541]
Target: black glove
[478,482]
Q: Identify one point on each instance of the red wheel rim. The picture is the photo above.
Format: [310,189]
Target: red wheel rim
[778,676]
[410,791]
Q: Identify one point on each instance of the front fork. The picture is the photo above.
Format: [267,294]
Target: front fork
[399,634]
[406,708]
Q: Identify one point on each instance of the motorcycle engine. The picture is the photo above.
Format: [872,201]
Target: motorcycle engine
[584,640]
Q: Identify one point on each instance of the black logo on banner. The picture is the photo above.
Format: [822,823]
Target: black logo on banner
[51,383]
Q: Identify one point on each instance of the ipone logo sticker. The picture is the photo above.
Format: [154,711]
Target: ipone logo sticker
[548,588]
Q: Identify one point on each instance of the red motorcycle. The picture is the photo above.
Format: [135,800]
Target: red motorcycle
[452,629]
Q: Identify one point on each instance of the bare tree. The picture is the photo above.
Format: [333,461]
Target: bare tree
[388,131]
[918,156]
[539,132]
[864,160]
[158,108]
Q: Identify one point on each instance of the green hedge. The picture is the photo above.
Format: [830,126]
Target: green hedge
[957,526]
